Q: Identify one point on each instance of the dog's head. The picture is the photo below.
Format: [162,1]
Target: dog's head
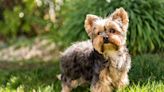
[108,33]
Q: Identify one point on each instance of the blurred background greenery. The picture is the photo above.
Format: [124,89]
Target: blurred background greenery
[63,21]
[31,29]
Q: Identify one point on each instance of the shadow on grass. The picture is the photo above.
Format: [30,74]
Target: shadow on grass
[29,74]
[42,75]
[148,67]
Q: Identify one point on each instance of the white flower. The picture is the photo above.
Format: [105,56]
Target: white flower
[108,1]
[38,2]
[21,14]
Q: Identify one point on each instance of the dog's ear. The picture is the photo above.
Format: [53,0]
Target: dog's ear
[89,22]
[121,17]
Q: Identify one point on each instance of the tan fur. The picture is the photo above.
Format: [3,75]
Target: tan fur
[121,15]
[65,88]
[89,23]
[117,21]
[97,43]
[110,79]
[104,84]
[74,84]
[114,73]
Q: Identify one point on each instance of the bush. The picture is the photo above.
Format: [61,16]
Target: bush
[146,28]
[22,17]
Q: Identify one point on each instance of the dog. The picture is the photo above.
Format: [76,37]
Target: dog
[104,60]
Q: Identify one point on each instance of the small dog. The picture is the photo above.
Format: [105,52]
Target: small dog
[104,60]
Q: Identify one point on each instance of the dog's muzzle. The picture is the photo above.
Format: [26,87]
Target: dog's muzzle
[105,37]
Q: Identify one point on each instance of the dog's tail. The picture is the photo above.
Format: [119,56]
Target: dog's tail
[58,76]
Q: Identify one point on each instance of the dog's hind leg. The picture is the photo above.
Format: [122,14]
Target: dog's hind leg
[66,88]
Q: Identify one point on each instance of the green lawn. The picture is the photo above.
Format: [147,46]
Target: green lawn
[146,75]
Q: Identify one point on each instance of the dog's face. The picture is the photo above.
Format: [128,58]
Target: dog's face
[108,33]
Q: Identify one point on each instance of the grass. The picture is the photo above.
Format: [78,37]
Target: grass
[146,75]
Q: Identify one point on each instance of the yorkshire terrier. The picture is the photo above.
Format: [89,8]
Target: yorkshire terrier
[104,60]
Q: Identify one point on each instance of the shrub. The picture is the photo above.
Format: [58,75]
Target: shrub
[23,17]
[146,30]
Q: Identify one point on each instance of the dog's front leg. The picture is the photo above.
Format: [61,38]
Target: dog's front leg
[101,87]
[102,82]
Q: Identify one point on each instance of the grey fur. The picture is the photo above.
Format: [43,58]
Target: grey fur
[81,61]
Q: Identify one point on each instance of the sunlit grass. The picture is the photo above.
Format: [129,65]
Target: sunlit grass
[146,75]
[150,86]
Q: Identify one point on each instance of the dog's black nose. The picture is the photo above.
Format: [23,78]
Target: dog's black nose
[106,40]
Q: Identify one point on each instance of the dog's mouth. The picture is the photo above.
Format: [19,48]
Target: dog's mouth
[104,44]
[106,48]
[109,46]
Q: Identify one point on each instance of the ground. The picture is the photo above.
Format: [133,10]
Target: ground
[146,75]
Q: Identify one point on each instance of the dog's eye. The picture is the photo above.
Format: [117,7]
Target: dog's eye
[100,33]
[94,28]
[112,31]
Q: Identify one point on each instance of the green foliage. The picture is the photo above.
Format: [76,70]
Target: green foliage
[29,76]
[22,17]
[11,22]
[151,86]
[146,28]
[146,75]
[147,67]
[145,33]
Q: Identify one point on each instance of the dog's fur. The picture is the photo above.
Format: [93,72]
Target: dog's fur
[104,60]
